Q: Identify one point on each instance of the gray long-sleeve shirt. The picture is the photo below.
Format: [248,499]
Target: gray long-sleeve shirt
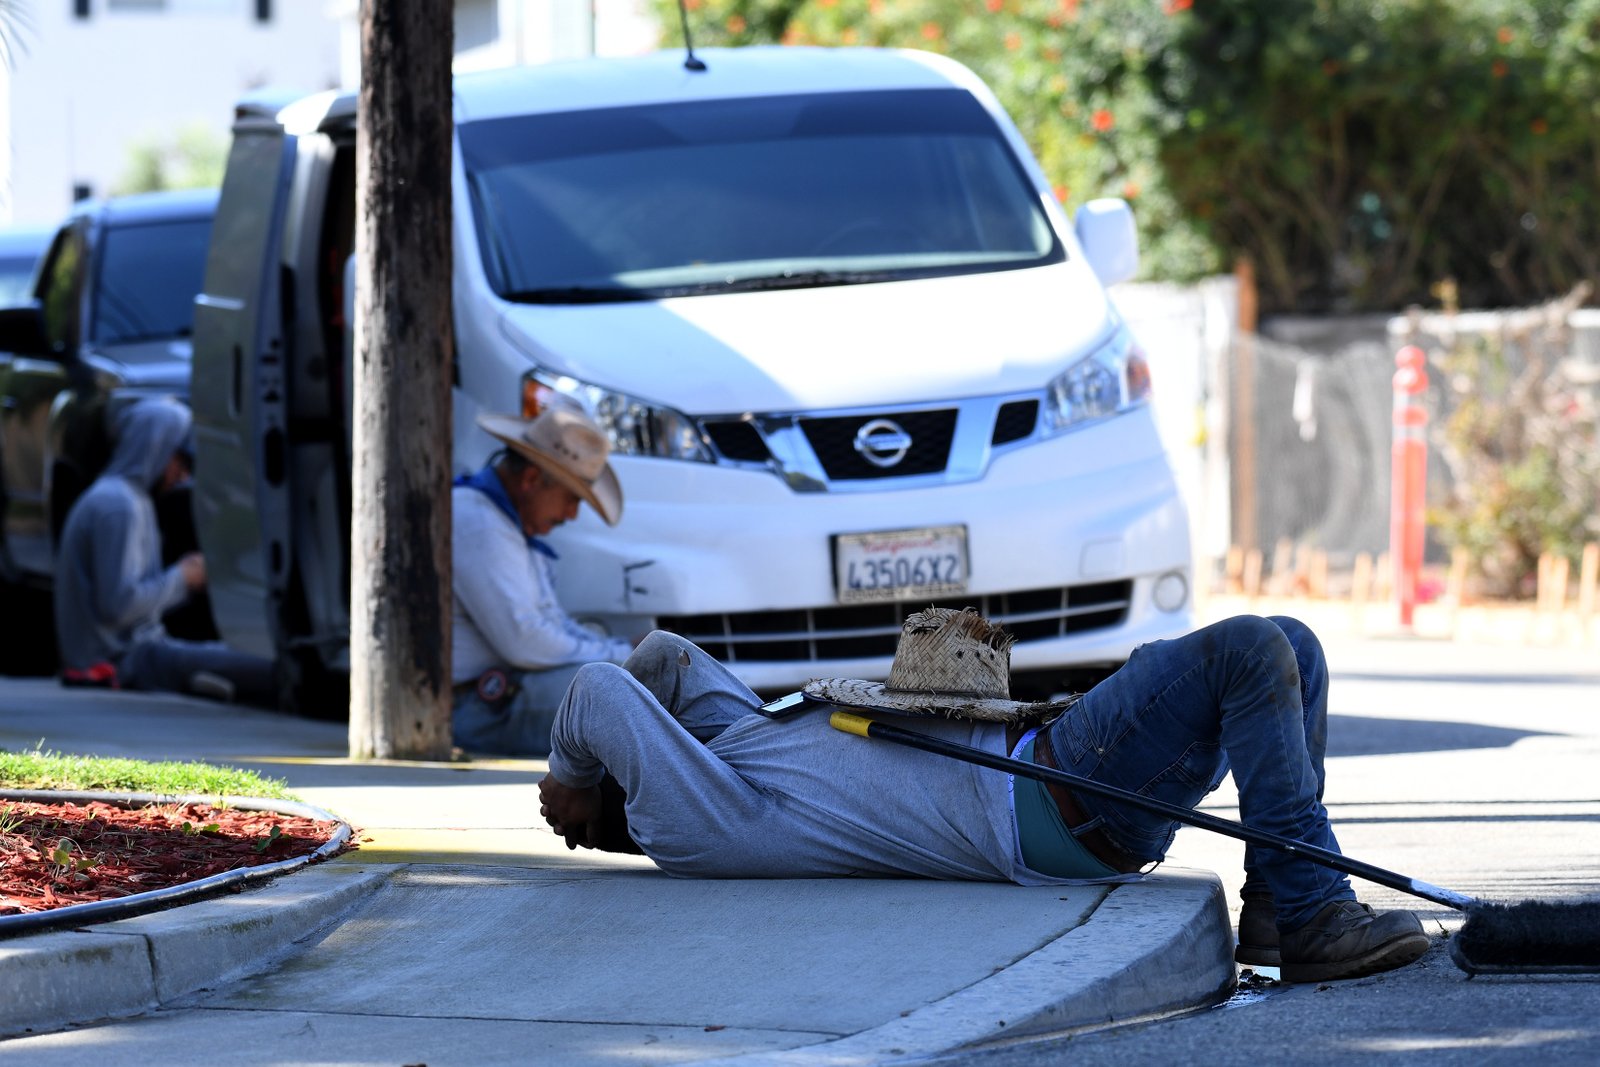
[716,791]
[110,587]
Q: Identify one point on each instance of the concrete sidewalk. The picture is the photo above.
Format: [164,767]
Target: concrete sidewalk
[463,931]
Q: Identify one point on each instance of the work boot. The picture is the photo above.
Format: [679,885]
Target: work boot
[1347,939]
[1258,933]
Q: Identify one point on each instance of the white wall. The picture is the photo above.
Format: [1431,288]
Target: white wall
[513,33]
[83,92]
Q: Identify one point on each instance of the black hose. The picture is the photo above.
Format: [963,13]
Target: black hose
[100,911]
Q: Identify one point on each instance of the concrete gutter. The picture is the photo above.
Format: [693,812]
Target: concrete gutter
[52,980]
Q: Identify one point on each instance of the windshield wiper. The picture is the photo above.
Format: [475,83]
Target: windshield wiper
[174,334]
[579,294]
[797,279]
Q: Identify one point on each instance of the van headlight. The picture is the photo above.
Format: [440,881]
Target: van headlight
[636,427]
[1108,381]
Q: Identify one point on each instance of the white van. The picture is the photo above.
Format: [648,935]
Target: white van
[852,356]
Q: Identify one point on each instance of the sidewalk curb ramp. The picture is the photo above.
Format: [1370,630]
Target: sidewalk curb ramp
[1146,949]
[1153,948]
[52,980]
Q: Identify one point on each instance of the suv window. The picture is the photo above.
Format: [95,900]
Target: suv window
[149,275]
[16,272]
[58,291]
[724,195]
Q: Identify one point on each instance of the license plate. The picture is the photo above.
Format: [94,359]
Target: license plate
[901,564]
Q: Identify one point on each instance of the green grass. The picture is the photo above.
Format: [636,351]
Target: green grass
[47,770]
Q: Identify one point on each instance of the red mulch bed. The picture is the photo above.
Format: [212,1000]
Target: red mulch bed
[116,851]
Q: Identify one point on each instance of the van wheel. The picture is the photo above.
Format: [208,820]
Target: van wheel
[307,687]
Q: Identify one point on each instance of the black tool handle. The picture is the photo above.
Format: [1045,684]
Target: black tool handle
[858,724]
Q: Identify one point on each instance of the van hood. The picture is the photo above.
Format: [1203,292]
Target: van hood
[836,347]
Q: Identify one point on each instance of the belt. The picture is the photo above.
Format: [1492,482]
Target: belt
[1095,841]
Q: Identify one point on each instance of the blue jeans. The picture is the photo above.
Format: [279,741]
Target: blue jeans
[1248,694]
[517,726]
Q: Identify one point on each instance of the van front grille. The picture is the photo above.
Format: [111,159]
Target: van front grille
[833,439]
[868,630]
[1015,421]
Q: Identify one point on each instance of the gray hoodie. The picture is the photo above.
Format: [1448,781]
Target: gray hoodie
[111,589]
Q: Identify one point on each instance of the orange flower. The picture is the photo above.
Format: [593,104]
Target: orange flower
[692,5]
[1172,7]
[1130,190]
[996,5]
[1062,192]
[1013,41]
[1506,35]
[1069,8]
[735,23]
[1499,69]
[1102,120]
[1052,53]
[1055,20]
[931,31]
[1539,126]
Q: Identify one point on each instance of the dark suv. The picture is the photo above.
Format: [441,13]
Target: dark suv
[111,312]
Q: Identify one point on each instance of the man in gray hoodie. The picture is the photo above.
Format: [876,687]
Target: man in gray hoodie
[111,589]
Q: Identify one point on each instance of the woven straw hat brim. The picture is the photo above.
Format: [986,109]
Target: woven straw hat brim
[604,494]
[874,696]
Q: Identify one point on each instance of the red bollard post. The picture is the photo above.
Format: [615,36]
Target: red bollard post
[1409,463]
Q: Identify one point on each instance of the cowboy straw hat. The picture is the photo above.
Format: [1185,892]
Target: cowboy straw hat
[568,446]
[948,662]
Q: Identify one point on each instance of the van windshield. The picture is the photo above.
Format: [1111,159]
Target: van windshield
[720,196]
[149,276]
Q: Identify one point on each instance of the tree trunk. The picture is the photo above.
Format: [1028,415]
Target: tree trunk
[400,529]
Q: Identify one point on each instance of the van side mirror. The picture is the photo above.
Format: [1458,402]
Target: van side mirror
[22,331]
[1109,238]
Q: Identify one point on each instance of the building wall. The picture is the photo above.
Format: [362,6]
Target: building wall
[85,91]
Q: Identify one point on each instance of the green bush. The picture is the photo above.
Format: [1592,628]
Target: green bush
[1359,152]
[1522,444]
[1362,151]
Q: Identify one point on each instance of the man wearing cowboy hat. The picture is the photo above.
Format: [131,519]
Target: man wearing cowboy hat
[712,789]
[514,648]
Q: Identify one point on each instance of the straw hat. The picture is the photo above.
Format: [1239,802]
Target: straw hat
[948,662]
[568,446]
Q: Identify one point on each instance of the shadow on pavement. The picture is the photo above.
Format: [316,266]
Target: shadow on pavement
[1357,735]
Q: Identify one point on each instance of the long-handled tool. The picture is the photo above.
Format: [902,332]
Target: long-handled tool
[1533,936]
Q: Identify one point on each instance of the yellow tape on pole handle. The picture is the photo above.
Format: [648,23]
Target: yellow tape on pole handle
[850,724]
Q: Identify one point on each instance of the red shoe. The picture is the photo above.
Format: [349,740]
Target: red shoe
[102,675]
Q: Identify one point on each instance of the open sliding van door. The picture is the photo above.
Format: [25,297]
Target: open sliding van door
[238,390]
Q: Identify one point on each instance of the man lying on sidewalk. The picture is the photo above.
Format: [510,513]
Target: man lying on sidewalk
[714,790]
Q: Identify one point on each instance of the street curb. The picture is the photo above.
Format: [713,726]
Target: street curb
[52,980]
[1154,947]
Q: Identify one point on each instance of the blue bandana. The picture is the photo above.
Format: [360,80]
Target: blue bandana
[487,482]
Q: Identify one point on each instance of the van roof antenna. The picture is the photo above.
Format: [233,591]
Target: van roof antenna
[692,62]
